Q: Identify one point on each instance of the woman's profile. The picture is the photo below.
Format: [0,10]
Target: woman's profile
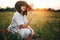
[19,23]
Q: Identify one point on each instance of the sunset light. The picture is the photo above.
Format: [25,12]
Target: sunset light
[45,3]
[36,3]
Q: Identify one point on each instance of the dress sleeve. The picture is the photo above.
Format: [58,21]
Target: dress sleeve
[19,20]
[26,19]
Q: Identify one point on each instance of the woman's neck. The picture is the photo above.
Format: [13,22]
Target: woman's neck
[22,14]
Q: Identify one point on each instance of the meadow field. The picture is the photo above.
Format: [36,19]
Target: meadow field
[45,24]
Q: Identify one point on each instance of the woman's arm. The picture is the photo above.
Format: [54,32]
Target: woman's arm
[32,31]
[30,28]
[27,23]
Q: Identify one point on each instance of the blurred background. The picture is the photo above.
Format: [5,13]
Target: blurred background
[46,20]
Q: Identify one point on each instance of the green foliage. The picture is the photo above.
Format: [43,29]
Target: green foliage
[45,24]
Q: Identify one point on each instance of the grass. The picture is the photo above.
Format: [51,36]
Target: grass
[45,24]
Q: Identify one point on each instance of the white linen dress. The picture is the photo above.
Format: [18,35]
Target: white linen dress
[18,20]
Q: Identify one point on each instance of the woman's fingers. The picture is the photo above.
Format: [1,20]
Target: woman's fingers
[31,14]
[32,32]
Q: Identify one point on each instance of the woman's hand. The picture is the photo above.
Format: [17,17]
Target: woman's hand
[31,14]
[32,32]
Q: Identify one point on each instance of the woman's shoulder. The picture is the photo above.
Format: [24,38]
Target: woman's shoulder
[16,14]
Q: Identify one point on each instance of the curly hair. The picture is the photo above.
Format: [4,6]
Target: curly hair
[21,3]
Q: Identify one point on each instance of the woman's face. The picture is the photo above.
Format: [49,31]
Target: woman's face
[23,8]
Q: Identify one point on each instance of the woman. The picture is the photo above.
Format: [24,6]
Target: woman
[19,23]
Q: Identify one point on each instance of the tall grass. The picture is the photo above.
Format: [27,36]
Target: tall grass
[45,24]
